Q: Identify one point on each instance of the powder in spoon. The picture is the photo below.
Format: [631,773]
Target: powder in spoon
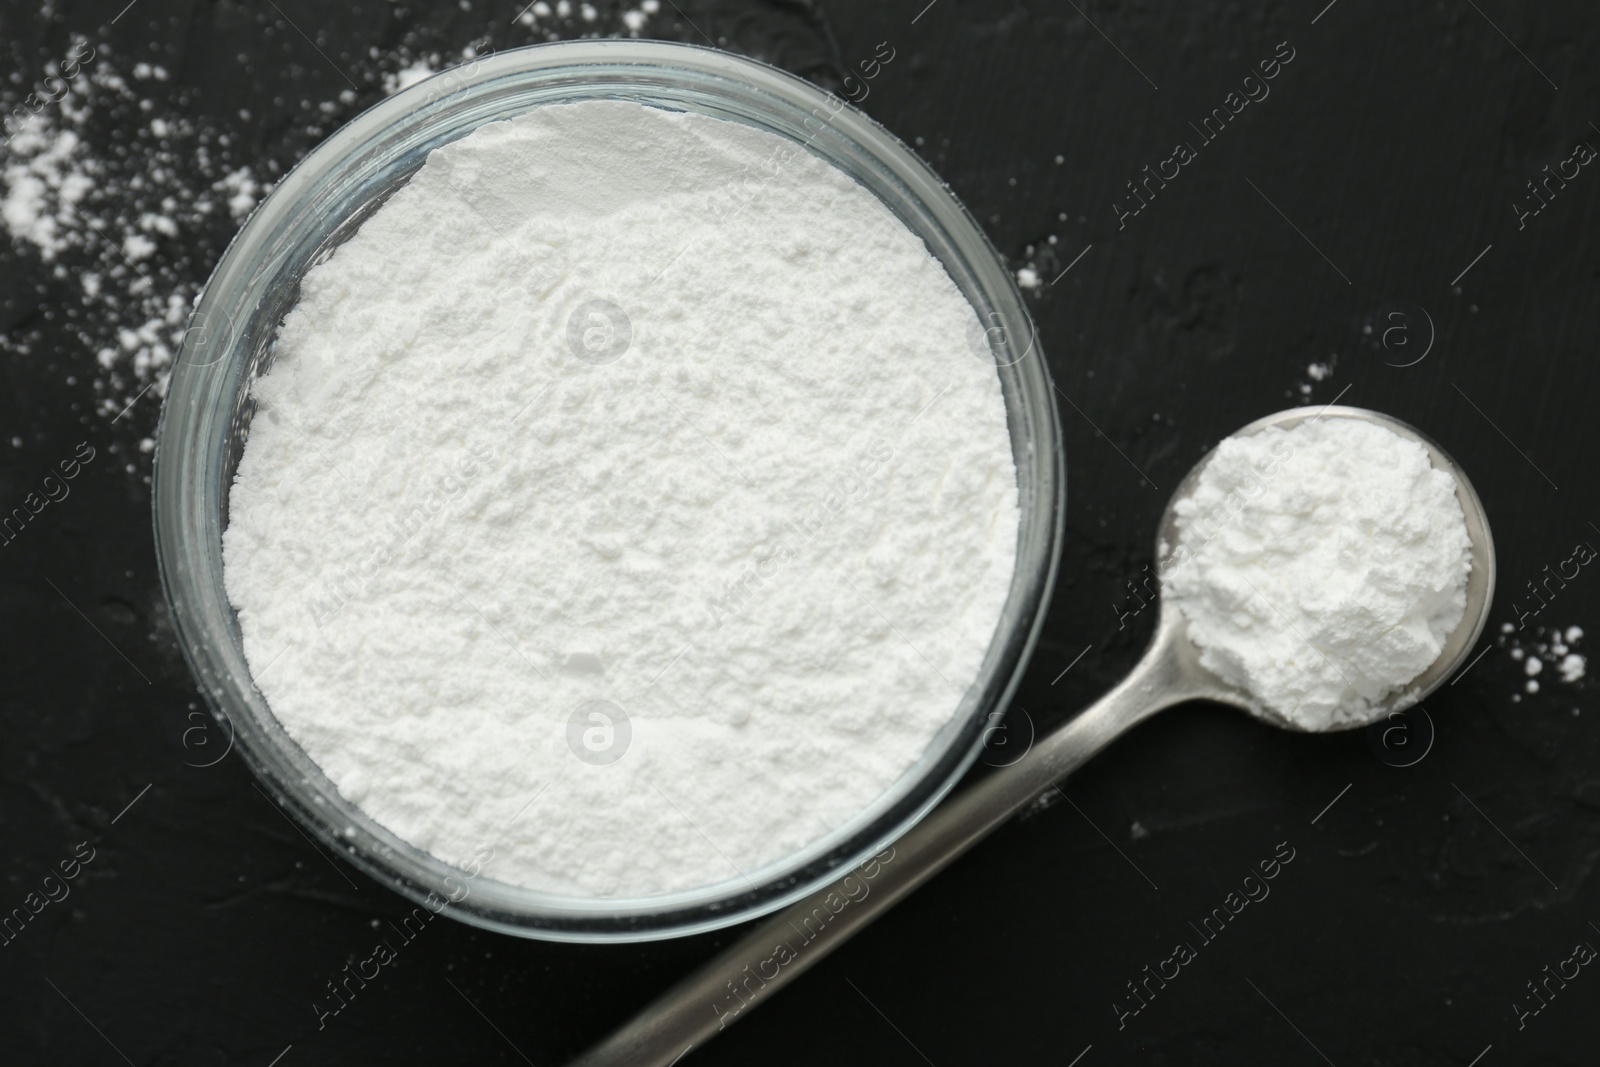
[1321,568]
[626,493]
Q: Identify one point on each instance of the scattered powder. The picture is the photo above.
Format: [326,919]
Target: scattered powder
[409,75]
[104,225]
[1541,647]
[1040,261]
[126,201]
[1316,373]
[548,18]
[1321,568]
[689,527]
[242,191]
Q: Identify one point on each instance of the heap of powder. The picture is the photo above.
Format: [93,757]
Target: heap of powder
[1320,568]
[627,493]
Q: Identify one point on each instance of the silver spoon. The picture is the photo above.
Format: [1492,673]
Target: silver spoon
[749,971]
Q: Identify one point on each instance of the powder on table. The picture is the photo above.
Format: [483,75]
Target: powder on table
[1537,647]
[1327,564]
[609,507]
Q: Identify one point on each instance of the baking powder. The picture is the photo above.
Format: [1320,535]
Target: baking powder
[627,493]
[1325,567]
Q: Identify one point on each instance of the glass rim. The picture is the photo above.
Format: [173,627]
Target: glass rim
[206,408]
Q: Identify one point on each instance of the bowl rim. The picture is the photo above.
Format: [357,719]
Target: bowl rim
[213,365]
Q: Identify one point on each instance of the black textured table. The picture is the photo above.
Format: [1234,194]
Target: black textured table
[1359,226]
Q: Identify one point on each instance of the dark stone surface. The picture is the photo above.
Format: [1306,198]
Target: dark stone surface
[1414,910]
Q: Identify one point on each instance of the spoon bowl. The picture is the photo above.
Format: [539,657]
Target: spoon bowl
[1172,629]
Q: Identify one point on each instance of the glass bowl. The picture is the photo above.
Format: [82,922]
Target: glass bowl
[205,421]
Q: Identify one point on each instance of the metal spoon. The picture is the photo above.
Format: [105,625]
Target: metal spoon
[753,968]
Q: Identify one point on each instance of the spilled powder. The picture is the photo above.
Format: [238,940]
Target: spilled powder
[1546,655]
[123,200]
[112,229]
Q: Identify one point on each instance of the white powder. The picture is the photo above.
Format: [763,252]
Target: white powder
[118,200]
[596,476]
[114,227]
[1538,647]
[1320,568]
[407,76]
[538,16]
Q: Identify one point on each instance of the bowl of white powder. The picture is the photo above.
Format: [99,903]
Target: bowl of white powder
[607,492]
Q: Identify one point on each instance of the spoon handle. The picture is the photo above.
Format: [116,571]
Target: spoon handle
[783,946]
